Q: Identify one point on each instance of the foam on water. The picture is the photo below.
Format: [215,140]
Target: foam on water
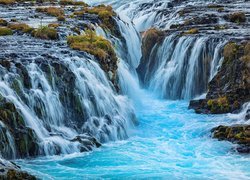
[171,142]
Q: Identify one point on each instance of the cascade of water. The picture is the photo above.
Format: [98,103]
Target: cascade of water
[65,99]
[180,68]
[128,51]
[8,146]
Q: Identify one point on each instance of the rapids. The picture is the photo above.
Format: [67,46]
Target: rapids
[171,142]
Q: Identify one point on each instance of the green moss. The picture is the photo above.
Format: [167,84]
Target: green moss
[220,104]
[247,48]
[21,27]
[45,32]
[230,51]
[61,18]
[105,13]
[4,31]
[93,44]
[54,25]
[221,9]
[52,11]
[74,3]
[220,27]
[191,31]
[7,2]
[99,47]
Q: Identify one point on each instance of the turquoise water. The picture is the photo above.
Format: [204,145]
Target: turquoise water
[171,142]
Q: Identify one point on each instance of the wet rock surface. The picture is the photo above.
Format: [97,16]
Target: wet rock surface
[230,88]
[239,134]
[9,170]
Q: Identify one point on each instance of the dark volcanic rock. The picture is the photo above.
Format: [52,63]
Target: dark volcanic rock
[87,142]
[230,88]
[9,170]
[237,134]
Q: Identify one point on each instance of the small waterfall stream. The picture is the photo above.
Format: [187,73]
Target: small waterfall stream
[180,68]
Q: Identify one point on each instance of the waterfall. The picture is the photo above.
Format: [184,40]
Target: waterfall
[63,98]
[128,51]
[180,68]
[8,146]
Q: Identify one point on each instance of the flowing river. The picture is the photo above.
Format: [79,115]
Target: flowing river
[171,142]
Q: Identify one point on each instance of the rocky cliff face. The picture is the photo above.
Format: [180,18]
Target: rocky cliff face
[230,88]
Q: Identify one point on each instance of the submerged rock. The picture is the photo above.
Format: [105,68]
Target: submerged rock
[87,142]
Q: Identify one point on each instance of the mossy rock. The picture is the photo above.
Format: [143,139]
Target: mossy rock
[230,51]
[236,133]
[3,22]
[98,46]
[45,32]
[191,31]
[21,27]
[219,105]
[237,17]
[105,14]
[4,31]
[26,141]
[52,11]
[73,3]
[7,2]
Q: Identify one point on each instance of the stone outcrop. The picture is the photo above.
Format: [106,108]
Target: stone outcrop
[9,171]
[237,134]
[230,88]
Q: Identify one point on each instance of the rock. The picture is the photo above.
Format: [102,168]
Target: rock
[9,170]
[230,88]
[24,137]
[236,17]
[87,142]
[239,134]
[247,115]
[151,38]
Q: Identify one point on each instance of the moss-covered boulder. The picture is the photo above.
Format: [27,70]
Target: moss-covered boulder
[21,27]
[7,2]
[98,46]
[151,38]
[237,134]
[3,22]
[237,17]
[104,17]
[230,88]
[45,32]
[4,31]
